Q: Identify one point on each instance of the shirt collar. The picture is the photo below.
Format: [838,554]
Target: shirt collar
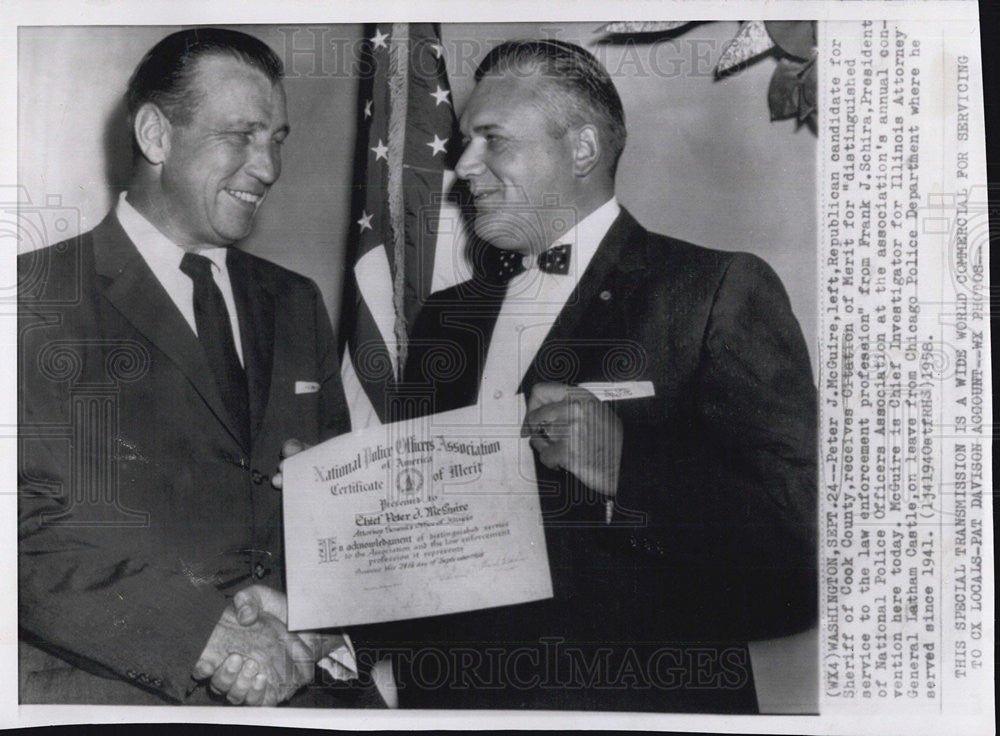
[590,231]
[154,245]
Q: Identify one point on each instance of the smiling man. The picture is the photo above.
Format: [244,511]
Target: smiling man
[670,406]
[177,365]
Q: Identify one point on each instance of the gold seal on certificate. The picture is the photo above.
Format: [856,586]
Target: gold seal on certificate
[418,518]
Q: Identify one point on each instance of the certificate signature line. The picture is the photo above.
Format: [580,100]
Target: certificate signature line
[504,561]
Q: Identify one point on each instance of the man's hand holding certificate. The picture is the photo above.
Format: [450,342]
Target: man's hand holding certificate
[418,518]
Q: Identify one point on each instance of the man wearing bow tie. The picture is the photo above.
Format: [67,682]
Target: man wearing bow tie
[680,522]
[161,371]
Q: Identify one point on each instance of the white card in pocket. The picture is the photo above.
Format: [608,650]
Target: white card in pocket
[619,390]
[306,387]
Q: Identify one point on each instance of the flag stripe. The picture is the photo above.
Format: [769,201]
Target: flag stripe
[447,260]
[372,360]
[372,273]
[362,412]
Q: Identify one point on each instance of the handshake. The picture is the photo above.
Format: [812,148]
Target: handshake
[253,659]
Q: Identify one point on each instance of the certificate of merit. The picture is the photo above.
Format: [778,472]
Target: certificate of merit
[417,518]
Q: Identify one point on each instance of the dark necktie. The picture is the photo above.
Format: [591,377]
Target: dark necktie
[215,333]
[555,261]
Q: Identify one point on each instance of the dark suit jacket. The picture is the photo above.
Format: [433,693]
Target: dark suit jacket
[714,533]
[140,514]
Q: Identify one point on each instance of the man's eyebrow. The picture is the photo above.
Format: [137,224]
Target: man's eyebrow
[487,128]
[240,122]
[257,125]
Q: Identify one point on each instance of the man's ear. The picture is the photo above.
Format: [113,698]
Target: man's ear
[586,149]
[152,133]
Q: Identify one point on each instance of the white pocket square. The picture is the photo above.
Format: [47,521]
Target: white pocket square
[306,387]
[618,390]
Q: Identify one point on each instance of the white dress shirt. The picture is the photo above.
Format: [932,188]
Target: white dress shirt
[530,308]
[163,257]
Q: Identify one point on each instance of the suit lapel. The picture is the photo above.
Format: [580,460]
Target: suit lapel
[608,280]
[255,308]
[138,295]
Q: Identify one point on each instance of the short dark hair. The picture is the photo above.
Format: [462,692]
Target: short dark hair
[165,74]
[583,90]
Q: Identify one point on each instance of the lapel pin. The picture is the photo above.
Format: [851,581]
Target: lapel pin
[606,296]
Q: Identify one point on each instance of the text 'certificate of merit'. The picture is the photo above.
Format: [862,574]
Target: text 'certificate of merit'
[417,518]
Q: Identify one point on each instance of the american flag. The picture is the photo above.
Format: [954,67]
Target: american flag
[407,237]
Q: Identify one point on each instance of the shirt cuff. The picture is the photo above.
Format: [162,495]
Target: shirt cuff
[341,653]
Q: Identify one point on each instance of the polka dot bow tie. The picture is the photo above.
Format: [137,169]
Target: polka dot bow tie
[555,261]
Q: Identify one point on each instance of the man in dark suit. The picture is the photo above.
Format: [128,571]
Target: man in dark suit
[161,369]
[680,522]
